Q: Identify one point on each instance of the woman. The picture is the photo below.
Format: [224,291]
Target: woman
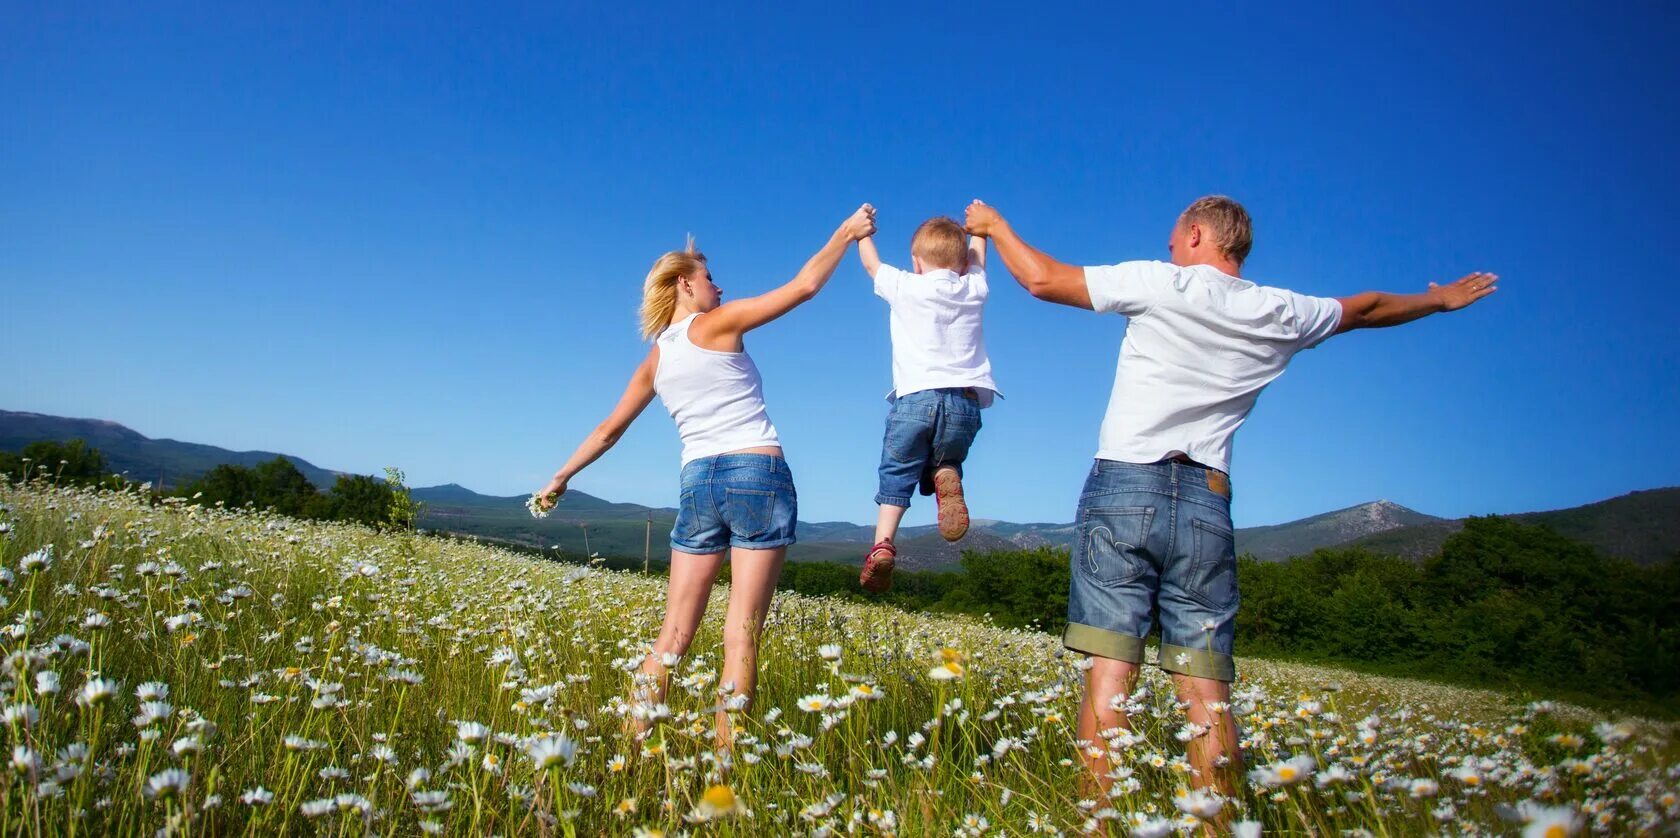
[737,492]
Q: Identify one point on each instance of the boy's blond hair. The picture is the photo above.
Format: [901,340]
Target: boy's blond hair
[659,290]
[940,243]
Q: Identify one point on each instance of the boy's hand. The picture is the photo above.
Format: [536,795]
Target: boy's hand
[1456,295]
[981,219]
[861,225]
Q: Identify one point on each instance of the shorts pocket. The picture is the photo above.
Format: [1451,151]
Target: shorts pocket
[749,512]
[1112,540]
[908,438]
[688,517]
[1213,574]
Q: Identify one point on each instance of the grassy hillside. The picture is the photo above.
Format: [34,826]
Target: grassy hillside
[185,669]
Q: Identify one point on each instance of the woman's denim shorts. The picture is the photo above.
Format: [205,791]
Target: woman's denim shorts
[735,500]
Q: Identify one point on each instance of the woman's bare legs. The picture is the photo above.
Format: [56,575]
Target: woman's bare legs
[752,584]
[689,589]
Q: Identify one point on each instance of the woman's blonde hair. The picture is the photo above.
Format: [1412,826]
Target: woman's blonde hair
[659,290]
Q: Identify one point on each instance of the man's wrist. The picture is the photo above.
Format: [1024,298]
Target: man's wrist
[1437,299]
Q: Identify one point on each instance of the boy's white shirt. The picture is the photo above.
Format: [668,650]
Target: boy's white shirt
[1200,345]
[937,339]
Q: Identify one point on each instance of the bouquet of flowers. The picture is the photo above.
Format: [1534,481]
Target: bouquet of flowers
[538,510]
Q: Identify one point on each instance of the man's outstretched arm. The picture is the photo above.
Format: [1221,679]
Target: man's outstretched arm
[1042,276]
[1376,310]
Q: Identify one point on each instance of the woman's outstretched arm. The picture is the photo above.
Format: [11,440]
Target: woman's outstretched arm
[635,399]
[726,323]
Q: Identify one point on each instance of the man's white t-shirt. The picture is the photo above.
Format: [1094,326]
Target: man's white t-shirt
[1200,346]
[936,335]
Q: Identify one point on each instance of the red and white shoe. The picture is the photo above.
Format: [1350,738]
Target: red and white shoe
[878,568]
[953,510]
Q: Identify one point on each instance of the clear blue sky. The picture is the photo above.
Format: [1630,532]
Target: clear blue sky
[391,234]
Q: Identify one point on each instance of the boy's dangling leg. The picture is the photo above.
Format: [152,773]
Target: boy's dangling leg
[878,567]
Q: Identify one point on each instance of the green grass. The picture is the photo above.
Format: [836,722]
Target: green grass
[370,648]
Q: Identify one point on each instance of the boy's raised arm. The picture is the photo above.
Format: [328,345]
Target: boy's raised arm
[867,254]
[977,253]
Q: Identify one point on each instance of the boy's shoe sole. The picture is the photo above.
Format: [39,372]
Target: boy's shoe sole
[876,577]
[953,510]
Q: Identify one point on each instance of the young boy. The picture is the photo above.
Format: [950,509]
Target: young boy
[941,380]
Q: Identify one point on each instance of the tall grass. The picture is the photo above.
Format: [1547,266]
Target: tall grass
[180,669]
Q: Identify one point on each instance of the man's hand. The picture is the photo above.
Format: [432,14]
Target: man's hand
[982,220]
[861,225]
[549,495]
[1456,295]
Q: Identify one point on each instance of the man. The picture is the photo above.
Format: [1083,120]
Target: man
[1155,516]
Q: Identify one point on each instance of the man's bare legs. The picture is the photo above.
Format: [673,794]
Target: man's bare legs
[686,594]
[753,575]
[1107,680]
[1214,755]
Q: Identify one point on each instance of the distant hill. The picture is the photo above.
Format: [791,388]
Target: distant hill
[1643,527]
[580,525]
[1297,538]
[127,452]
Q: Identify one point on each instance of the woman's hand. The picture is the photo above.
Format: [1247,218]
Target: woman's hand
[861,225]
[549,495]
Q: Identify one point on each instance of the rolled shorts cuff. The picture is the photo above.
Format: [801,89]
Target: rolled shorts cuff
[893,500]
[1198,663]
[697,551]
[762,545]
[1103,643]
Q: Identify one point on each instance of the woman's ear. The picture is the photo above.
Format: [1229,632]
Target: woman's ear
[684,287]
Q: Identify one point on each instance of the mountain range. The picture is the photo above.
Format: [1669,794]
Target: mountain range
[1642,526]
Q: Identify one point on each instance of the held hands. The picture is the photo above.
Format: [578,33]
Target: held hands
[1456,295]
[982,220]
[861,225]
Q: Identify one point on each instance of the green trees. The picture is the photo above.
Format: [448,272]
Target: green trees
[1504,605]
[280,486]
[67,462]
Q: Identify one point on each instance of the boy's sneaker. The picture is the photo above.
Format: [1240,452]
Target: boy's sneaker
[877,569]
[953,510]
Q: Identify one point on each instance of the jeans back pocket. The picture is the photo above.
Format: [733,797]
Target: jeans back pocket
[1113,540]
[748,512]
[1213,579]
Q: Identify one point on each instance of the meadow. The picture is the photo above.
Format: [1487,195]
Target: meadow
[176,669]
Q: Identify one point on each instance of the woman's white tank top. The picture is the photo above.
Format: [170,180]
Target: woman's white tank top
[716,398]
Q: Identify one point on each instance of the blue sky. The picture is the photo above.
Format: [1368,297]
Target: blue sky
[397,235]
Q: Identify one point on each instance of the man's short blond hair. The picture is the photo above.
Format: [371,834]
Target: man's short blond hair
[1225,220]
[940,243]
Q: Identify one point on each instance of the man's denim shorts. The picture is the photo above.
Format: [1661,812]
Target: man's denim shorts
[735,500]
[926,429]
[1155,536]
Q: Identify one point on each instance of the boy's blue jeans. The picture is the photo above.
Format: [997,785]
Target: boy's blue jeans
[926,430]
